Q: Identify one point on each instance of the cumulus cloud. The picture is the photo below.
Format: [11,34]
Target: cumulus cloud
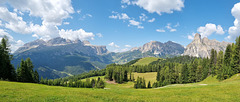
[14,22]
[151,20]
[157,6]
[52,14]
[14,44]
[234,31]
[210,29]
[113,45]
[160,30]
[77,34]
[51,11]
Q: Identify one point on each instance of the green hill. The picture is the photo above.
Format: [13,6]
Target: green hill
[227,90]
[146,61]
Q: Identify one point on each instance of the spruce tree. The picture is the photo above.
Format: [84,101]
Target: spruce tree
[149,85]
[7,71]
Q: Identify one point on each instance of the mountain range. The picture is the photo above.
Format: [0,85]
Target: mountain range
[60,57]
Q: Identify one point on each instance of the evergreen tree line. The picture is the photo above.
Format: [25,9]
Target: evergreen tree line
[24,72]
[227,64]
[89,83]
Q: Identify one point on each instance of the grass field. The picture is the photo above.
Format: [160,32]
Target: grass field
[146,61]
[151,76]
[209,90]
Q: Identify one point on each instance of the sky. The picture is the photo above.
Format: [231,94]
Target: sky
[119,24]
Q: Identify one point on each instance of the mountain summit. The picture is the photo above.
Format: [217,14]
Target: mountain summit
[202,47]
[161,49]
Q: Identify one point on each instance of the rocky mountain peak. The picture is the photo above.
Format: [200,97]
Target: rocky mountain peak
[202,47]
[197,37]
[159,48]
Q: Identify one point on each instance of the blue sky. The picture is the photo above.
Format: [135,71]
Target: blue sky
[119,24]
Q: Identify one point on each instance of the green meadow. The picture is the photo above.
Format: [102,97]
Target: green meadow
[210,90]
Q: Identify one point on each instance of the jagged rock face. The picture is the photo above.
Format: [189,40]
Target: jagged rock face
[158,48]
[30,45]
[68,46]
[202,47]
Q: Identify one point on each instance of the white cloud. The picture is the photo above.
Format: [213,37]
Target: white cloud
[99,35]
[78,11]
[132,22]
[160,30]
[51,11]
[113,45]
[128,46]
[77,34]
[210,29]
[123,6]
[158,6]
[191,37]
[66,23]
[126,2]
[35,35]
[14,44]
[135,23]
[151,20]
[234,31]
[14,22]
[170,28]
[122,16]
[143,17]
[177,25]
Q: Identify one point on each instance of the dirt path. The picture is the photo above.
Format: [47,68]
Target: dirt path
[111,82]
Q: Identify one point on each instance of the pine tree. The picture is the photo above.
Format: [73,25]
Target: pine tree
[219,67]
[149,85]
[7,71]
[236,56]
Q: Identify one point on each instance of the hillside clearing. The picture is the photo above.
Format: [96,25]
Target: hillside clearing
[146,61]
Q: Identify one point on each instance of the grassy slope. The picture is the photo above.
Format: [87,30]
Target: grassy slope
[146,61]
[227,90]
[147,76]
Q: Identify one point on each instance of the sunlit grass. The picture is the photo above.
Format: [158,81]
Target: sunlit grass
[228,90]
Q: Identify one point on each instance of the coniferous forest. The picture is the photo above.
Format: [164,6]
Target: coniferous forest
[182,69]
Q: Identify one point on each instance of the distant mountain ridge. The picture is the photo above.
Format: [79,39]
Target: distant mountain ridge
[60,57]
[93,49]
[202,47]
[161,49]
